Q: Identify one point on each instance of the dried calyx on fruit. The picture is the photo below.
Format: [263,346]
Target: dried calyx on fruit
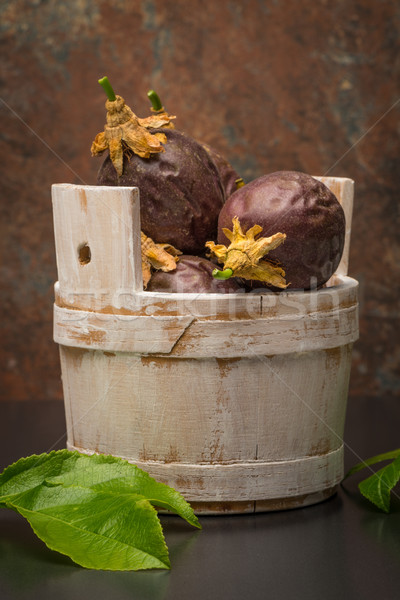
[161,257]
[245,256]
[125,132]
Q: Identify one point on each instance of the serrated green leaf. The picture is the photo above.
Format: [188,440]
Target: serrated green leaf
[72,468]
[372,461]
[378,486]
[95,530]
[98,509]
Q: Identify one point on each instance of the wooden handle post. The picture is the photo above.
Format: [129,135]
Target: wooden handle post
[97,235]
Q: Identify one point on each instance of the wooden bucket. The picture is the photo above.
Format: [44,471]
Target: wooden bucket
[236,400]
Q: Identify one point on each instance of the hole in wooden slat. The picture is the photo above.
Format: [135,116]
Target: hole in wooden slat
[84,254]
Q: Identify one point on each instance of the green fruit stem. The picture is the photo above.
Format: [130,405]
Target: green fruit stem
[106,85]
[155,100]
[225,274]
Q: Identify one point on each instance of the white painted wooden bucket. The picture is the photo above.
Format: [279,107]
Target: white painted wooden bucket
[236,400]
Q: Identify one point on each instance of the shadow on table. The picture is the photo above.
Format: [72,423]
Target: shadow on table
[29,569]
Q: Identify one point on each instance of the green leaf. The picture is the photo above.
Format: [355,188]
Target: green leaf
[372,461]
[98,510]
[378,486]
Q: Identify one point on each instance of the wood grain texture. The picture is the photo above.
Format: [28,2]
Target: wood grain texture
[117,332]
[207,411]
[237,400]
[237,482]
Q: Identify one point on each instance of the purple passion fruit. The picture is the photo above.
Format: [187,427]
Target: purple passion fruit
[180,192]
[305,210]
[192,274]
[229,177]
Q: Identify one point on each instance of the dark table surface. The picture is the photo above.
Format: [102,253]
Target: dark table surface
[343,548]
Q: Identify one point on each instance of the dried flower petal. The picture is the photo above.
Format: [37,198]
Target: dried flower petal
[161,257]
[245,254]
[100,143]
[159,119]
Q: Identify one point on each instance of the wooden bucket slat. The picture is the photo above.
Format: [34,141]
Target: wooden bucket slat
[343,188]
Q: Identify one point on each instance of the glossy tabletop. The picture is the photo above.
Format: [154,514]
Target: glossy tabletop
[342,549]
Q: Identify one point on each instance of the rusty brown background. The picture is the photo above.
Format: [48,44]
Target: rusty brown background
[305,85]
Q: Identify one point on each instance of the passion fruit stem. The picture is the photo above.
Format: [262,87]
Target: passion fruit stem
[106,85]
[225,274]
[155,100]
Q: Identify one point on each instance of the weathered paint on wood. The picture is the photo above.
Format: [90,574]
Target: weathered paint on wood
[97,246]
[303,329]
[237,400]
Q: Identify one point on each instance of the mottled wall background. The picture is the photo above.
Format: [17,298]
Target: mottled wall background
[308,85]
